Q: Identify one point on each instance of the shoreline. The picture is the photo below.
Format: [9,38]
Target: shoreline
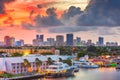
[26,77]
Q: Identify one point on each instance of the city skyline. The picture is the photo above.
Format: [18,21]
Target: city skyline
[10,41]
[88,19]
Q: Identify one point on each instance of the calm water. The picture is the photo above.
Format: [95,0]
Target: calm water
[92,74]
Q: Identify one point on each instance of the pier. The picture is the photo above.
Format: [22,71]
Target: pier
[28,77]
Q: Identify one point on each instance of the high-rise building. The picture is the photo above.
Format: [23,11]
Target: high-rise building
[12,41]
[39,40]
[7,41]
[111,44]
[78,40]
[69,39]
[36,42]
[41,37]
[89,43]
[59,40]
[22,42]
[75,42]
[37,36]
[51,41]
[100,41]
[18,43]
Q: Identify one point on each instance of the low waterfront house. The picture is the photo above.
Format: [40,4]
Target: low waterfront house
[17,65]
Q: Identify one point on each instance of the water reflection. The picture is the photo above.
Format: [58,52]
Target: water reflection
[92,74]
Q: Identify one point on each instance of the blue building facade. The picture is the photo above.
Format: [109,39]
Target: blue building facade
[100,41]
[69,39]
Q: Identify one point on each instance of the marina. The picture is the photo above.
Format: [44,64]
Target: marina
[57,69]
[91,74]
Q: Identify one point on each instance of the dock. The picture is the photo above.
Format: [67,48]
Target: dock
[28,77]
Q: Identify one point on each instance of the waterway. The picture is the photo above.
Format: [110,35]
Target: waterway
[92,74]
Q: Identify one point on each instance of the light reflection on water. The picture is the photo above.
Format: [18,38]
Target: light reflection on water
[92,74]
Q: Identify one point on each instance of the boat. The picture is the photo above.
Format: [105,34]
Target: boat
[88,65]
[83,63]
[59,69]
[76,68]
[118,66]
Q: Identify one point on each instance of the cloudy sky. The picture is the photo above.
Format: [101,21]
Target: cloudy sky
[87,19]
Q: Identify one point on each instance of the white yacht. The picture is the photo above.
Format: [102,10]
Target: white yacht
[59,69]
[83,63]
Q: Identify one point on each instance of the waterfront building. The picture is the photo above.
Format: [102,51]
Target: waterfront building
[59,40]
[69,39]
[25,50]
[18,65]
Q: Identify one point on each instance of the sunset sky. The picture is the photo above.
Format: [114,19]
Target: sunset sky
[88,19]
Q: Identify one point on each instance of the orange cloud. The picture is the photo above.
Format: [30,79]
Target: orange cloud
[25,10]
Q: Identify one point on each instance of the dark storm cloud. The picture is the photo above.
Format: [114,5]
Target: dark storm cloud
[71,12]
[105,13]
[101,13]
[2,5]
[49,20]
[43,21]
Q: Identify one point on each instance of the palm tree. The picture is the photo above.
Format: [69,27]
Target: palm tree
[50,61]
[26,63]
[60,59]
[38,62]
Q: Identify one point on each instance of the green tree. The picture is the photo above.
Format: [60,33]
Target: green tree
[68,61]
[91,50]
[17,54]
[81,54]
[47,53]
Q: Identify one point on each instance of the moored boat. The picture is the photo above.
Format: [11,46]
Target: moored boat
[59,69]
[88,65]
[118,66]
[83,63]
